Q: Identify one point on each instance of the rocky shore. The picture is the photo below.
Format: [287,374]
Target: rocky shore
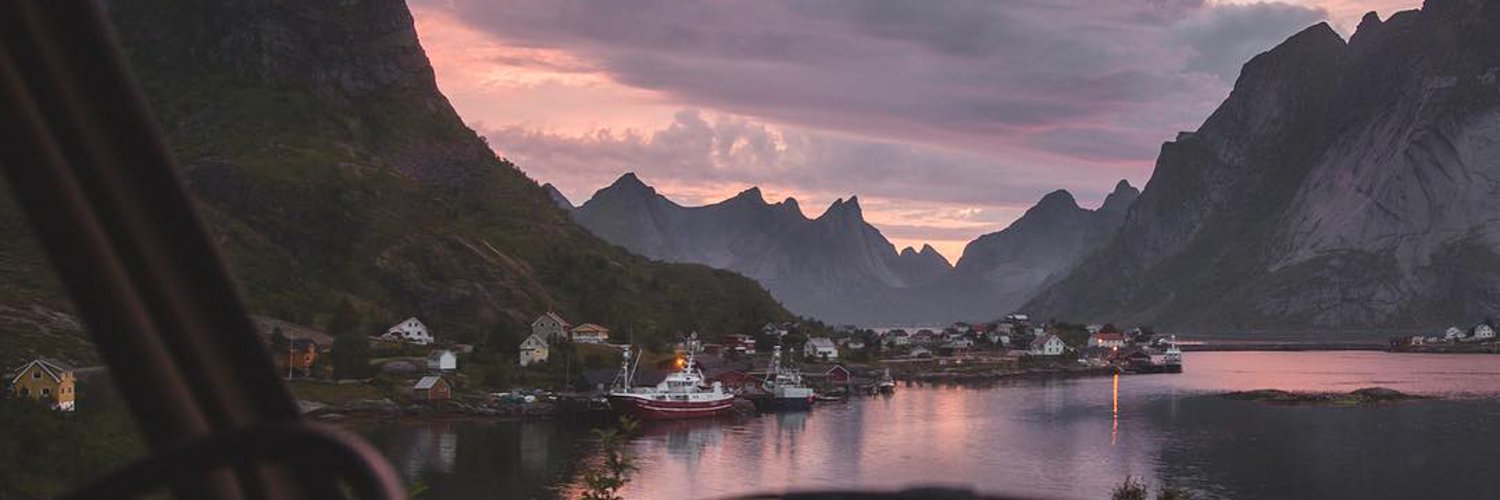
[1368,395]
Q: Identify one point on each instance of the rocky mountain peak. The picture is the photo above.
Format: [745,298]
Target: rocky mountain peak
[790,205]
[1120,199]
[557,197]
[631,185]
[751,195]
[844,210]
[1059,200]
[932,253]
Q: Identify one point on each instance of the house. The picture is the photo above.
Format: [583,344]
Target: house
[960,343]
[924,337]
[856,343]
[774,329]
[1005,328]
[46,379]
[837,375]
[920,352]
[1483,333]
[897,338]
[1017,318]
[410,330]
[821,348]
[961,327]
[1094,328]
[1417,340]
[1047,345]
[550,327]
[1107,340]
[442,361]
[736,381]
[589,333]
[533,350]
[743,344]
[1453,333]
[432,388]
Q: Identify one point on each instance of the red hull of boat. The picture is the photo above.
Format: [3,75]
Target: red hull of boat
[644,409]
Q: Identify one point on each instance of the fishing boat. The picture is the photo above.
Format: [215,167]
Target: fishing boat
[886,385]
[683,394]
[786,387]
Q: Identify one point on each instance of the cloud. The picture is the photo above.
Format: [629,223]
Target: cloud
[1043,77]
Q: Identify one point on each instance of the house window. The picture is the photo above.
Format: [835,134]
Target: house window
[46,392]
[36,374]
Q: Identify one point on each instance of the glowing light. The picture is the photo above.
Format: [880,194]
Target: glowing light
[1114,429]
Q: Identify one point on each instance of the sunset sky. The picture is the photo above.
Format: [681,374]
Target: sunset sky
[947,119]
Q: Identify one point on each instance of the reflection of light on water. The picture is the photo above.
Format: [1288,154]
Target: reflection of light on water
[1114,428]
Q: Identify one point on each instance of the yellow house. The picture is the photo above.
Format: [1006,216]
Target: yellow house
[46,379]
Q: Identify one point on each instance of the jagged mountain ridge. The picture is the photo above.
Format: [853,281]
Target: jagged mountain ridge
[1340,186]
[840,268]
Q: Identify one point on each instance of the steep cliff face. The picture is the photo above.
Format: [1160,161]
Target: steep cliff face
[920,267]
[331,169]
[1340,186]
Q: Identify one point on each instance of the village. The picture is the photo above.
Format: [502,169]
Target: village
[1479,338]
[409,371]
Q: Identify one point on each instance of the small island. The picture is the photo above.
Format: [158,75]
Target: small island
[1368,395]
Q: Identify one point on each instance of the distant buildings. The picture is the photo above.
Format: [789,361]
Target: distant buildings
[1047,345]
[743,344]
[48,380]
[534,350]
[1110,340]
[589,333]
[442,360]
[411,330]
[550,327]
[821,348]
[432,388]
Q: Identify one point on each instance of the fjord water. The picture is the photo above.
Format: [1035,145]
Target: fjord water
[1074,438]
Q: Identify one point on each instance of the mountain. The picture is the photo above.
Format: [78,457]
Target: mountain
[920,267]
[836,267]
[1340,186]
[331,170]
[1000,271]
[558,198]
[839,268]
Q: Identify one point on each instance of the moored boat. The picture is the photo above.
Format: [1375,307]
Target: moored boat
[786,387]
[682,394]
[886,385]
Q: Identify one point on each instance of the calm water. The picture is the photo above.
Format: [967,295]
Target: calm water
[1053,439]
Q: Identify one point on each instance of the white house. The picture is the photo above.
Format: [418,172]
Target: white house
[411,330]
[774,329]
[1017,318]
[1483,333]
[820,347]
[442,360]
[1453,333]
[533,350]
[856,343]
[1047,345]
[550,327]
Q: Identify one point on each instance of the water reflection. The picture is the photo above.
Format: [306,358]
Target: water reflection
[1045,438]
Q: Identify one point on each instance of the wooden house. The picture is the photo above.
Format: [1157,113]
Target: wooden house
[48,380]
[432,388]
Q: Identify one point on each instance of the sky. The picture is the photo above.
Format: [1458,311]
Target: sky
[948,119]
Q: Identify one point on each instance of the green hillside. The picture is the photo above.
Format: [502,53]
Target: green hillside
[331,169]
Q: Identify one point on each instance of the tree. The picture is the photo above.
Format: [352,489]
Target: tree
[279,341]
[604,483]
[351,348]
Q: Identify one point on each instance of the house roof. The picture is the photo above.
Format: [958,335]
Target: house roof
[438,354]
[427,382]
[1112,337]
[53,368]
[1041,340]
[538,340]
[554,317]
[403,322]
[821,342]
[590,328]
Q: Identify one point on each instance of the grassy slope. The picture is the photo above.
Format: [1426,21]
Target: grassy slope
[382,197]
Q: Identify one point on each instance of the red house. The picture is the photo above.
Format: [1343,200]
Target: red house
[837,375]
